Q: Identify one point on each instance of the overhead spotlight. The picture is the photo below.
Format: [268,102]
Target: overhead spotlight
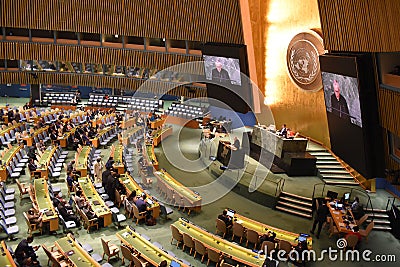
[163,39]
[116,36]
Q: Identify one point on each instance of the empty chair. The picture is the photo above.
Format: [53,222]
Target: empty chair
[55,257]
[67,225]
[352,241]
[238,230]
[252,237]
[214,256]
[137,262]
[221,227]
[110,250]
[267,247]
[8,191]
[285,246]
[176,235]
[199,248]
[188,242]
[126,254]
[365,233]
[362,220]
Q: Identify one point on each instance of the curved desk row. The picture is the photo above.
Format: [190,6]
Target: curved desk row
[29,140]
[75,254]
[131,185]
[96,202]
[183,196]
[128,123]
[262,228]
[131,133]
[6,159]
[150,156]
[45,204]
[146,250]
[116,153]
[161,135]
[5,256]
[223,246]
[96,141]
[44,162]
[81,159]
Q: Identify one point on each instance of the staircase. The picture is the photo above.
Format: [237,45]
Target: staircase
[330,169]
[381,219]
[295,204]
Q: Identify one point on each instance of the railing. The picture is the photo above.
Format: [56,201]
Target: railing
[321,188]
[388,204]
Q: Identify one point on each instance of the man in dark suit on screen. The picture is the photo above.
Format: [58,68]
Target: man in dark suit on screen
[219,74]
[339,103]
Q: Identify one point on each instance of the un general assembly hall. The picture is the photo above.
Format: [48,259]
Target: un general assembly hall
[222,133]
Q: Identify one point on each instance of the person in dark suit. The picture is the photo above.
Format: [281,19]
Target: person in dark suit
[219,74]
[25,251]
[224,217]
[141,203]
[339,103]
[67,215]
[284,131]
[320,218]
[236,142]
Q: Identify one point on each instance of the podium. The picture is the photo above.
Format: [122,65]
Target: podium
[230,156]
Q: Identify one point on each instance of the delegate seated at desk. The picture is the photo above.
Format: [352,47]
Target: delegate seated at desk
[283,131]
[236,143]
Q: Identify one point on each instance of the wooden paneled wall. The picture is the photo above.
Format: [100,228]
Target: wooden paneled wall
[207,21]
[102,81]
[97,55]
[365,26]
[389,106]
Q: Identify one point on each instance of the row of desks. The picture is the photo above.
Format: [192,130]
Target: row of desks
[45,204]
[262,228]
[161,135]
[190,199]
[81,160]
[44,162]
[75,253]
[116,153]
[95,200]
[132,186]
[128,123]
[340,217]
[146,250]
[96,141]
[30,139]
[126,134]
[8,156]
[225,247]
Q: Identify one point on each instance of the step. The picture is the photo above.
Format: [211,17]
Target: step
[382,228]
[332,171]
[293,206]
[302,214]
[378,221]
[340,182]
[378,215]
[297,201]
[321,153]
[376,210]
[331,166]
[336,176]
[329,158]
[297,196]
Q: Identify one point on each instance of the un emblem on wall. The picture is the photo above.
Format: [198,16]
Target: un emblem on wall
[303,60]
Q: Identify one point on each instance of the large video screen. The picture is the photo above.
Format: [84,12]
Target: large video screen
[222,70]
[342,97]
